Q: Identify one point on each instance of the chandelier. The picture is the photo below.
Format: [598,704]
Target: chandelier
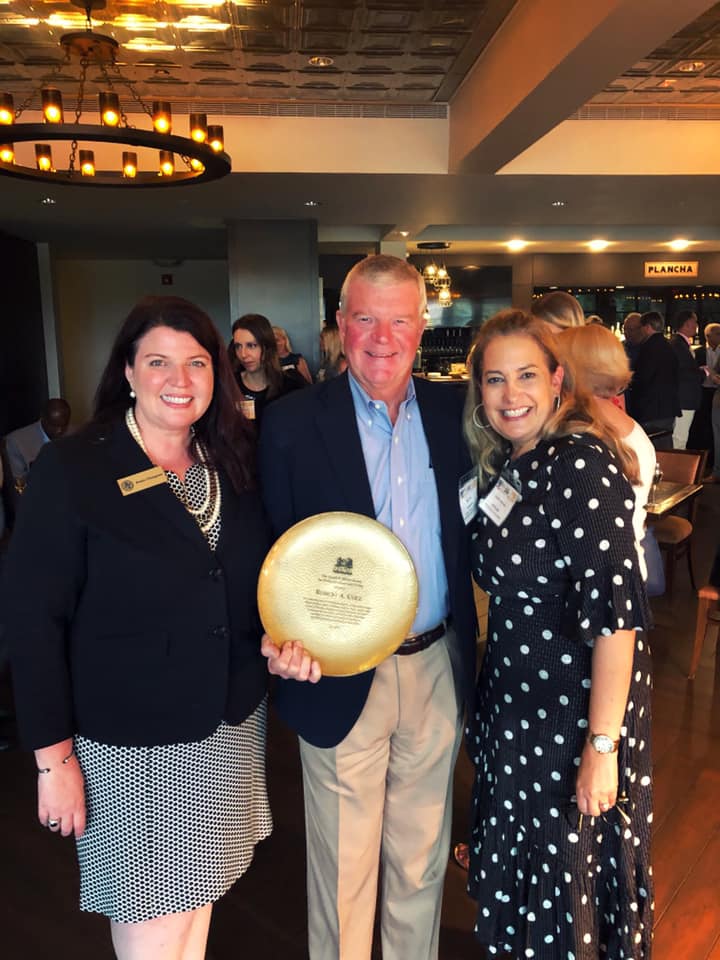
[438,278]
[202,156]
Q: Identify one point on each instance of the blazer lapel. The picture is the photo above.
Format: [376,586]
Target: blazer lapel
[157,505]
[336,422]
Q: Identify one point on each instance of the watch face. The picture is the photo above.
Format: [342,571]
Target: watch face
[602,743]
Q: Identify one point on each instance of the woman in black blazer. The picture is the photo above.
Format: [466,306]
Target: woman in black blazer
[129,602]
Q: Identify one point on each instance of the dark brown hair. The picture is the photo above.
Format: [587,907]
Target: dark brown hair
[261,328]
[227,435]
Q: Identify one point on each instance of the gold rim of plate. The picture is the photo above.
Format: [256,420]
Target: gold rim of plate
[342,584]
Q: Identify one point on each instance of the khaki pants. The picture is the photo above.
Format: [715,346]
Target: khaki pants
[384,796]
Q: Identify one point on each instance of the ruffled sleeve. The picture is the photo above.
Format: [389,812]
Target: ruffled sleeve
[589,506]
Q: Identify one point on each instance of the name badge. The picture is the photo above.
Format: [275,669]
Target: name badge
[248,408]
[137,482]
[468,496]
[500,501]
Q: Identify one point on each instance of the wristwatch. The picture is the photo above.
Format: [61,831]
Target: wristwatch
[602,743]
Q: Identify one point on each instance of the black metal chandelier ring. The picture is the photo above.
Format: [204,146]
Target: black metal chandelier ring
[213,164]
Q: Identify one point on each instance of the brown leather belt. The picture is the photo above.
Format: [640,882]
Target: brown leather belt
[421,641]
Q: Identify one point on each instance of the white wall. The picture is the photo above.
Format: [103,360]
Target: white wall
[643,148]
[93,297]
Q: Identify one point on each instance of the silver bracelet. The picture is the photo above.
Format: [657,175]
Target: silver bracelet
[47,769]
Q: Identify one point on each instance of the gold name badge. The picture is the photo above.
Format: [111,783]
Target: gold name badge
[137,482]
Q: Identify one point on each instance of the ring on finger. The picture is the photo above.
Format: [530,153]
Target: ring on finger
[53,824]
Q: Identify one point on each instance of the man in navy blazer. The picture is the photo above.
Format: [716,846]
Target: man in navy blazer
[378,749]
[690,376]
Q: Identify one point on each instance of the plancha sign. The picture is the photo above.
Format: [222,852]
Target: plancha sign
[671,268]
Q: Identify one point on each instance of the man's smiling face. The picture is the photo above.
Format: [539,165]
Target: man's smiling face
[381,325]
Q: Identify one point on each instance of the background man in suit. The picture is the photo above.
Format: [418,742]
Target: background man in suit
[652,399]
[690,376]
[23,445]
[708,359]
[378,749]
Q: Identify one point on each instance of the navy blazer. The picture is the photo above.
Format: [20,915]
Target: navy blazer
[124,626]
[311,461]
[690,376]
[653,392]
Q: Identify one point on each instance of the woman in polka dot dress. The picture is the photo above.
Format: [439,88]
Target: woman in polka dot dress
[562,805]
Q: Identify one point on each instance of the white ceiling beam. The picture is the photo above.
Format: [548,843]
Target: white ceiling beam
[547,59]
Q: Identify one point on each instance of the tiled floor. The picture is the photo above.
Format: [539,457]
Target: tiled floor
[263,917]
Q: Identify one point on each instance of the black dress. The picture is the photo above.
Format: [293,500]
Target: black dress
[561,570]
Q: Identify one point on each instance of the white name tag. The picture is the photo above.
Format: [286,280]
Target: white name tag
[500,501]
[468,496]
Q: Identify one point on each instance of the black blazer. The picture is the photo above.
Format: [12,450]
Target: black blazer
[690,376]
[124,626]
[653,393]
[311,461]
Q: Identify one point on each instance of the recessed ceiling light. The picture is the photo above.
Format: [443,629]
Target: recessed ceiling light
[48,201]
[692,66]
[321,61]
[597,245]
[471,266]
[619,286]
[679,243]
[516,245]
[404,233]
[557,203]
[313,203]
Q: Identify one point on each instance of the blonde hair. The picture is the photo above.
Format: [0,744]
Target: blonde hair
[560,309]
[598,358]
[577,412]
[331,346]
[380,268]
[711,328]
[283,333]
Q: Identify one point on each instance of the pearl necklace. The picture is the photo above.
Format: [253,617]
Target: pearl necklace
[208,511]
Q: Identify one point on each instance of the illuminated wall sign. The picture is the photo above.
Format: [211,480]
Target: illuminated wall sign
[671,268]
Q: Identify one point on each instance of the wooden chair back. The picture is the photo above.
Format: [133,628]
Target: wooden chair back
[682,466]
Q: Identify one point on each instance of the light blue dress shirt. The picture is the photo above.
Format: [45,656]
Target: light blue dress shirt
[402,482]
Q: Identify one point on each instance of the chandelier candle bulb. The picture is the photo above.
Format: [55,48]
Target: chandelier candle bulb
[87,163]
[52,106]
[109,108]
[7,108]
[198,127]
[43,156]
[162,116]
[7,153]
[167,163]
[129,164]
[216,137]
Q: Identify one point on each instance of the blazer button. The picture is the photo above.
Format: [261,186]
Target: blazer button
[220,633]
[216,573]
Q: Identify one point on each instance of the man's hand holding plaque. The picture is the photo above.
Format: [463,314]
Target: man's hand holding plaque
[291,661]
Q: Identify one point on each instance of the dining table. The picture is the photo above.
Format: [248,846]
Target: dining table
[667,495]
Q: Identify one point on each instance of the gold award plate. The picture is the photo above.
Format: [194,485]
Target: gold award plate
[342,584]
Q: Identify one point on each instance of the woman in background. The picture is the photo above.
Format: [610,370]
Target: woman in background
[601,365]
[135,639]
[288,359]
[332,359]
[257,367]
[559,310]
[561,729]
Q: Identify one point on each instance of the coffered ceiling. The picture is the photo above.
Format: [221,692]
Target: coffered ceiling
[398,51]
[490,80]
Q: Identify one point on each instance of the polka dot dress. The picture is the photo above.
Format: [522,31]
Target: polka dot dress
[561,570]
[170,828]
